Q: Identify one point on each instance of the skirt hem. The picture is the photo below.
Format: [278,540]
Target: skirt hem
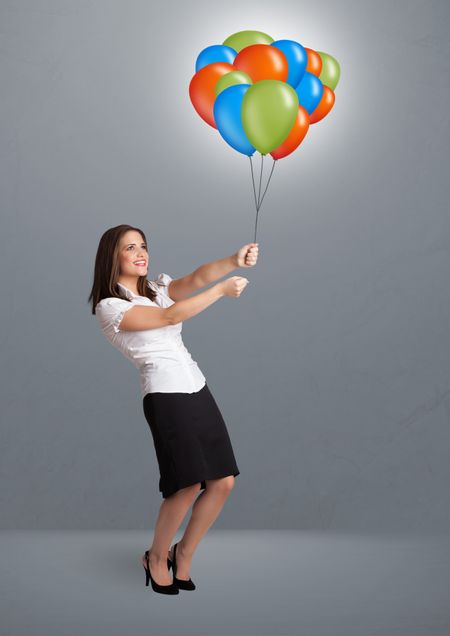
[167,493]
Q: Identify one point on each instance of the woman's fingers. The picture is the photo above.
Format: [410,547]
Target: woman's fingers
[252,255]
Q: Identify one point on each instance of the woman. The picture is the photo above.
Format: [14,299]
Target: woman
[143,319]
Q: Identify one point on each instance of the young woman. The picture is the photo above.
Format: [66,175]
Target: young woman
[143,319]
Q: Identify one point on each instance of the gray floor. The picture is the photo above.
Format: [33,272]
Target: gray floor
[274,583]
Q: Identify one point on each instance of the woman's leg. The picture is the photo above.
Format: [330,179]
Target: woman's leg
[205,511]
[171,513]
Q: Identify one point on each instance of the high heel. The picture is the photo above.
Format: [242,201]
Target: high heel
[181,583]
[162,589]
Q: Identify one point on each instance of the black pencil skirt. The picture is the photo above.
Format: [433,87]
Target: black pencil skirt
[191,439]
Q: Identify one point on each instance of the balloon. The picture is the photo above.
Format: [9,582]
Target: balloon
[241,39]
[230,79]
[262,62]
[314,65]
[215,53]
[309,91]
[201,89]
[297,58]
[295,137]
[324,106]
[227,115]
[331,71]
[269,109]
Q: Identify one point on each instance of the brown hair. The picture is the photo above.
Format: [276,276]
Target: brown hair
[107,269]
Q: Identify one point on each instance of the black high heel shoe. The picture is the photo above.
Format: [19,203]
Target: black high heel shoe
[162,589]
[181,583]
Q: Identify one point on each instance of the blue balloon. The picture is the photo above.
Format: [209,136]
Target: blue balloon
[227,115]
[215,53]
[309,91]
[297,58]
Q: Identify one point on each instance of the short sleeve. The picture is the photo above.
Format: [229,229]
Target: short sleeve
[110,312]
[163,281]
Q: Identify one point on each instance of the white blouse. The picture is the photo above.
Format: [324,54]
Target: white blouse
[164,363]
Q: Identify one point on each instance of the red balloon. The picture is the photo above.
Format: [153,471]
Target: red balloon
[295,137]
[201,89]
[324,106]
[314,65]
[262,61]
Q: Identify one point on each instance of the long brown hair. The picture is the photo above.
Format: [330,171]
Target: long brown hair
[107,268]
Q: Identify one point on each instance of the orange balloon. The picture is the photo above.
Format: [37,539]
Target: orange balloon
[261,62]
[314,65]
[324,106]
[201,89]
[295,137]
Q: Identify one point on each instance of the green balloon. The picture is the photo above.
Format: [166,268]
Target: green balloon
[241,39]
[269,110]
[331,71]
[230,79]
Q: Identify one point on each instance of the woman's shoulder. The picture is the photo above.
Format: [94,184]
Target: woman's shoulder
[161,284]
[162,279]
[107,308]
[113,301]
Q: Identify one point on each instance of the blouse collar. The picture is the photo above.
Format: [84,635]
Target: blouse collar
[128,293]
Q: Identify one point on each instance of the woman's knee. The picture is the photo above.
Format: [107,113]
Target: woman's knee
[223,485]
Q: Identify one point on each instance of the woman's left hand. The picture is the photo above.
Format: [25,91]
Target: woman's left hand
[247,255]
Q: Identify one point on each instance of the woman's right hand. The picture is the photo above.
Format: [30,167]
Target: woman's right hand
[233,286]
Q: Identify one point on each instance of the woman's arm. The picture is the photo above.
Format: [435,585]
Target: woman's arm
[181,288]
[141,317]
[210,272]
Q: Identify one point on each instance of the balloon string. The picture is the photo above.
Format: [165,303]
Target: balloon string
[253,181]
[260,178]
[267,185]
[256,224]
[260,199]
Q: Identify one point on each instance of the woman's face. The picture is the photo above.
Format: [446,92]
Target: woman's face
[133,255]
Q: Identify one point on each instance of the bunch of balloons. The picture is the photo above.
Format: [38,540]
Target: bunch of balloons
[262,94]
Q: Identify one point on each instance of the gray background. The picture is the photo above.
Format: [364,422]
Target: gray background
[333,368]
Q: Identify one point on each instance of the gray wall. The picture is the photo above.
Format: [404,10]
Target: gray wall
[333,368]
